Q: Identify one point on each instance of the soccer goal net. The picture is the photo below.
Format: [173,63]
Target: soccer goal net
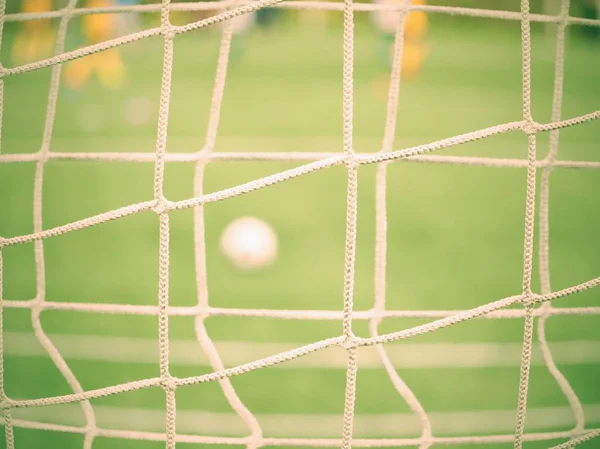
[532,308]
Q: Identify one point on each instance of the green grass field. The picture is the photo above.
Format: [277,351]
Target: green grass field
[455,235]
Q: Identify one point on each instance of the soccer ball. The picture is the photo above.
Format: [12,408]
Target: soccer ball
[415,24]
[249,243]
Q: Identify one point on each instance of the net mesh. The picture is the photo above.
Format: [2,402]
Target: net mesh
[534,305]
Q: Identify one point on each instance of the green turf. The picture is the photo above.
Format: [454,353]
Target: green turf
[455,233]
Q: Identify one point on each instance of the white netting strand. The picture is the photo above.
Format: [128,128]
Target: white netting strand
[229,9]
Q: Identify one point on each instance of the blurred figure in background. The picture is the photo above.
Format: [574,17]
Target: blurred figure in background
[589,9]
[414,50]
[415,27]
[266,17]
[35,38]
[241,25]
[107,64]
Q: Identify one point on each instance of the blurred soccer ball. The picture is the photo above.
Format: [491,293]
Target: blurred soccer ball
[249,243]
[415,24]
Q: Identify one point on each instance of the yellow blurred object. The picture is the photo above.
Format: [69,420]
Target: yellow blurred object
[415,28]
[77,73]
[35,38]
[415,50]
[99,27]
[412,58]
[107,64]
[415,25]
[110,68]
[30,6]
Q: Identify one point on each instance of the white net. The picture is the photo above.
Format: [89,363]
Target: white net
[534,305]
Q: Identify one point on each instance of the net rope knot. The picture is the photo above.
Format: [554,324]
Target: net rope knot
[67,12]
[37,304]
[168,383]
[376,317]
[161,206]
[350,342]
[168,32]
[202,312]
[530,127]
[405,8]
[91,430]
[351,161]
[255,441]
[42,155]
[530,300]
[5,403]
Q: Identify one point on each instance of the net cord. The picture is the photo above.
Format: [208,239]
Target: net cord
[544,223]
[203,306]
[6,412]
[389,135]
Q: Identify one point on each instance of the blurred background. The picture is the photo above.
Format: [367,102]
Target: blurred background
[455,233]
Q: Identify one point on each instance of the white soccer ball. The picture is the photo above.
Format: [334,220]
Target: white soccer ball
[249,243]
[385,21]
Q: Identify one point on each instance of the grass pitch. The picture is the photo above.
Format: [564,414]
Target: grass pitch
[455,233]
